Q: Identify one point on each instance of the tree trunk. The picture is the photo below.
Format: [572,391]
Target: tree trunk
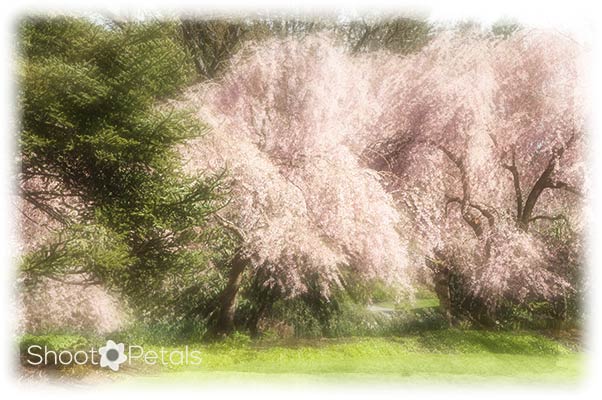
[227,304]
[442,291]
[441,279]
[264,298]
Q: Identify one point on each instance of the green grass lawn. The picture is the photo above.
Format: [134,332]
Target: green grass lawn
[465,356]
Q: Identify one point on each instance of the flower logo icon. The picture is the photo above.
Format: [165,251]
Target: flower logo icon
[112,355]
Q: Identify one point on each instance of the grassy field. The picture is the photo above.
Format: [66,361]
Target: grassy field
[456,356]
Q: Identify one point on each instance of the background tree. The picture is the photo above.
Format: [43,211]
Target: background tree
[400,35]
[212,42]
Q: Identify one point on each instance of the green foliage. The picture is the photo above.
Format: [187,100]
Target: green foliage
[212,42]
[300,316]
[417,320]
[90,249]
[370,291]
[505,28]
[90,97]
[55,342]
[340,316]
[236,340]
[161,333]
[381,293]
[356,320]
[400,34]
[345,313]
[87,94]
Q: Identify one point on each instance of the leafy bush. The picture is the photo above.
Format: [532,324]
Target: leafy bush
[417,320]
[55,342]
[164,333]
[344,314]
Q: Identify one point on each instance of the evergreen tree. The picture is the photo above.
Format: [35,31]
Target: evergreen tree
[98,157]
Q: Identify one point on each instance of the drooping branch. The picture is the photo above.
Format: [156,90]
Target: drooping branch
[464,201]
[231,226]
[458,162]
[366,34]
[565,186]
[558,217]
[47,209]
[474,223]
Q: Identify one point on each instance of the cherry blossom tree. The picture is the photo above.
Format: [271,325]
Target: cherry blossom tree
[485,140]
[287,130]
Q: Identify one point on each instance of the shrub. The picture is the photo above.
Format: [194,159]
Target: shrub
[162,333]
[56,343]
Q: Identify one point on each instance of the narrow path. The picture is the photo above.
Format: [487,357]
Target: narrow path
[380,309]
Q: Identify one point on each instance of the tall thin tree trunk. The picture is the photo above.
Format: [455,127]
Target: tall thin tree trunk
[441,279]
[443,293]
[227,304]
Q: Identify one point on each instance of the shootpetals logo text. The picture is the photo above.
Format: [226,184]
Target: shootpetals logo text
[112,355]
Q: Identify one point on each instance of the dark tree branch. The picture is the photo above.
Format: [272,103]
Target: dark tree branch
[363,39]
[474,223]
[48,210]
[232,227]
[465,202]
[565,186]
[517,189]
[540,185]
